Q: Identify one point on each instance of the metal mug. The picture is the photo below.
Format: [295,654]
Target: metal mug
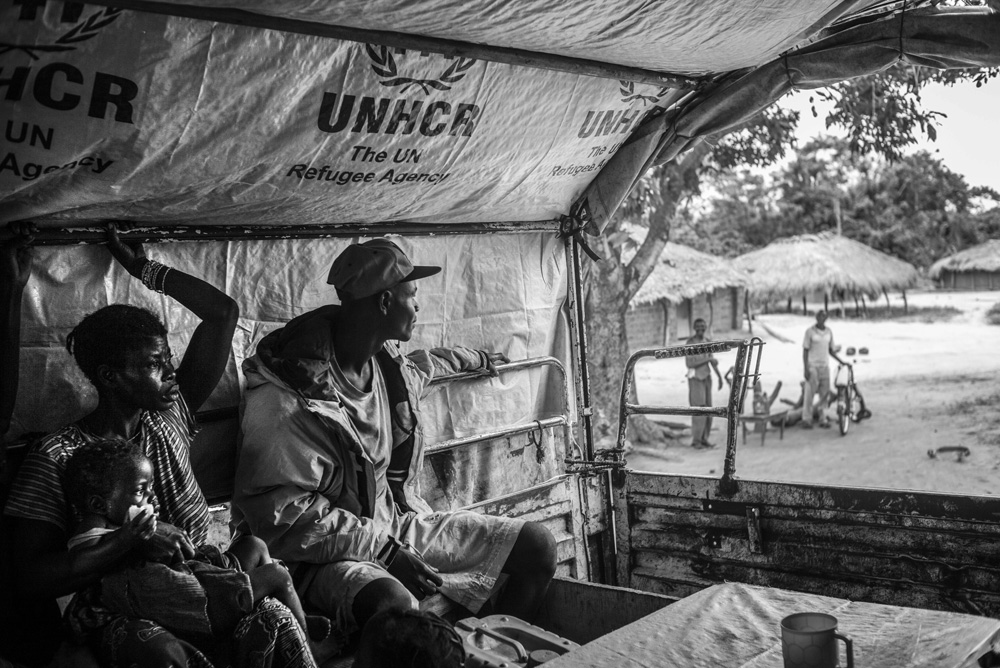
[809,640]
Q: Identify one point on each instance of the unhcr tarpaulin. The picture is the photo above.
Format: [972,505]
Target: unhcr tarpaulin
[113,113]
[511,305]
[119,113]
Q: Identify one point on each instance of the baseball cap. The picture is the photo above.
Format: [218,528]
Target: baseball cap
[364,269]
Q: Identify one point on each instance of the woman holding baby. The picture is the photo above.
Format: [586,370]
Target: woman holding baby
[146,403]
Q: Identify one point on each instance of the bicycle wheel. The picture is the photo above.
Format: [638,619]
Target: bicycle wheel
[843,409]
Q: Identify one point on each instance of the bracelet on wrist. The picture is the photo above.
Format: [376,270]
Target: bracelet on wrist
[153,275]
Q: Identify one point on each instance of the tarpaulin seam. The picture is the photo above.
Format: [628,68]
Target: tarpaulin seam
[201,91]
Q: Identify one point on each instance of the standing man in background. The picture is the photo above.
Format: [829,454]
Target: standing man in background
[699,377]
[817,349]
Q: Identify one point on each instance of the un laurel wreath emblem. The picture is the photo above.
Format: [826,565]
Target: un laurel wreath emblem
[82,31]
[627,89]
[385,66]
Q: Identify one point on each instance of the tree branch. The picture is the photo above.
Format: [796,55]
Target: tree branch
[676,179]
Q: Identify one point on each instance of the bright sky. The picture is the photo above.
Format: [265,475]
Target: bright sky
[968,140]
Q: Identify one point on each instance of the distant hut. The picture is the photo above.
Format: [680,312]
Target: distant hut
[685,285]
[976,268]
[825,264]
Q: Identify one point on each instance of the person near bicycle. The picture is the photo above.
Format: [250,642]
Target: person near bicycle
[817,349]
[700,386]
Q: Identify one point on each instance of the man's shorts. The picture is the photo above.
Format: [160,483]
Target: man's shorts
[468,549]
[819,379]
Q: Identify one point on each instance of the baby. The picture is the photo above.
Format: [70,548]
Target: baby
[109,483]
[397,637]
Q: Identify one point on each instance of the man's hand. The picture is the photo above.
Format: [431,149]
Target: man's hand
[16,253]
[131,256]
[720,382]
[419,577]
[167,545]
[399,497]
[492,359]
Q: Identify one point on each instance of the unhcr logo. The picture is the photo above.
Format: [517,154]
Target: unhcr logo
[365,114]
[62,86]
[80,31]
[607,122]
[384,65]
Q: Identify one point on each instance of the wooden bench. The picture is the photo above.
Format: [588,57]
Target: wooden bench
[761,422]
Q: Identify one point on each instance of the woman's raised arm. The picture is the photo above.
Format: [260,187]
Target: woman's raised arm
[208,351]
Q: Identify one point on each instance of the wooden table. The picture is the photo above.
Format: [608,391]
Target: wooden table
[762,422]
[737,626]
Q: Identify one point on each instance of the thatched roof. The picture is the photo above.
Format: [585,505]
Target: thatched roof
[684,273]
[823,262]
[984,257]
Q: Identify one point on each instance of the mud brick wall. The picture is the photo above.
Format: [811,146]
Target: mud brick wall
[645,323]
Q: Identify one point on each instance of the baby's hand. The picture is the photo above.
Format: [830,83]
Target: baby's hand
[141,524]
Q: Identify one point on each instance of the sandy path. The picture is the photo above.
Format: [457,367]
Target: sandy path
[927,385]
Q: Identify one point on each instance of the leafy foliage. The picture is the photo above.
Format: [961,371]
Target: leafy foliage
[867,185]
[915,209]
[761,143]
[882,113]
[993,314]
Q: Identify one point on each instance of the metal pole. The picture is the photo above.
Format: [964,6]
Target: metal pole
[538,425]
[587,410]
[97,234]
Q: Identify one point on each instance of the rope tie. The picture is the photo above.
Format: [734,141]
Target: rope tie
[572,226]
[788,71]
[538,442]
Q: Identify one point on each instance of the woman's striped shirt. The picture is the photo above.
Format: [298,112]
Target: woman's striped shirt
[38,492]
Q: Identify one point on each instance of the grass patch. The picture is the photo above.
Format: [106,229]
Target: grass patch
[980,410]
[923,314]
[993,315]
[973,404]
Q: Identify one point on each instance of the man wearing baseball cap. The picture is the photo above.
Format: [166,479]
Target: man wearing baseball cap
[332,446]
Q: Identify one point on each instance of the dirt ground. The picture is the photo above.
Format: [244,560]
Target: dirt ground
[928,384]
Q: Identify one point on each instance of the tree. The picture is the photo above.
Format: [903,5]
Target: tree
[609,285]
[740,215]
[915,209]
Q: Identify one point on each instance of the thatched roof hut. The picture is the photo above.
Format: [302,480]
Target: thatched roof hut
[974,268]
[685,285]
[684,273]
[826,263]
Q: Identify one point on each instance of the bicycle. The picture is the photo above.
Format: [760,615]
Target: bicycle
[850,402]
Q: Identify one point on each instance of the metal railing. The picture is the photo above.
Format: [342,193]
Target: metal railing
[536,425]
[745,374]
